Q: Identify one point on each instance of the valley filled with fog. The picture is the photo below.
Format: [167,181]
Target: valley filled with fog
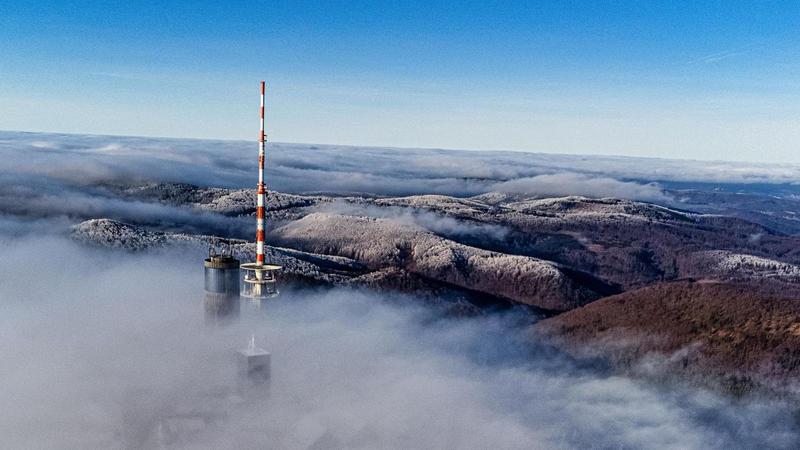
[108,352]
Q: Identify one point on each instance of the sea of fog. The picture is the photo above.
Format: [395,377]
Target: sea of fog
[106,350]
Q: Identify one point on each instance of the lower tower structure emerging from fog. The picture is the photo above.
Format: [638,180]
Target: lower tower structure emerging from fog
[259,278]
[254,363]
[221,285]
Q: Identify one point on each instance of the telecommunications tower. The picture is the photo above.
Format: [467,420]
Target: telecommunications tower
[259,278]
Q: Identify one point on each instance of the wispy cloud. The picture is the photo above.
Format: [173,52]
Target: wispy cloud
[720,56]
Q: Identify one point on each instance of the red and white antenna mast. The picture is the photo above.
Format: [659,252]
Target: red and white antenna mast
[261,192]
[259,278]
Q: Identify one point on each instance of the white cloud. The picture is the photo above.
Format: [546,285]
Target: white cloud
[563,184]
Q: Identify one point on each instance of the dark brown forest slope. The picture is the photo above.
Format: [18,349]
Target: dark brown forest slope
[736,336]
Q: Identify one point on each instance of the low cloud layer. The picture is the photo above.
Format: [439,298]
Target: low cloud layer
[86,160]
[109,352]
[74,177]
[564,184]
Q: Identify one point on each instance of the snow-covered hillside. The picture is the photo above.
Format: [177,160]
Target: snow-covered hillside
[552,253]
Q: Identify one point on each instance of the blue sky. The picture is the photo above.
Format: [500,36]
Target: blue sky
[703,80]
